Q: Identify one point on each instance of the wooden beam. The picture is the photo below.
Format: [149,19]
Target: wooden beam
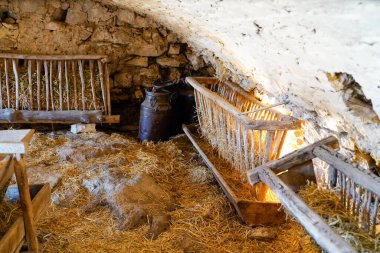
[363,177]
[14,116]
[292,159]
[16,233]
[17,88]
[104,58]
[324,236]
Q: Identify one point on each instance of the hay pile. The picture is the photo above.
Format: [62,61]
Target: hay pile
[202,220]
[328,205]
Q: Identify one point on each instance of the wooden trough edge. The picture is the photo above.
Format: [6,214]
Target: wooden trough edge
[59,117]
[13,239]
[251,212]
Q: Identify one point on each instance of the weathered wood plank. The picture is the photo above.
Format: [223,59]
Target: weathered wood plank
[53,57]
[6,170]
[30,85]
[108,88]
[38,85]
[101,77]
[47,93]
[7,83]
[93,85]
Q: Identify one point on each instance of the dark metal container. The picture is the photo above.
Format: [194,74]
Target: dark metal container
[156,116]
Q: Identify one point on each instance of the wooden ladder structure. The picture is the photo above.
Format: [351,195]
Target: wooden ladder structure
[55,89]
[359,191]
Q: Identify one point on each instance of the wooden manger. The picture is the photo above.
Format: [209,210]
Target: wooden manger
[358,189]
[55,89]
[251,211]
[33,200]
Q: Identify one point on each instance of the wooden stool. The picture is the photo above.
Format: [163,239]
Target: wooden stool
[15,142]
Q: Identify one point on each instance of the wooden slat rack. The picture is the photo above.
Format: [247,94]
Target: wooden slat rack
[237,125]
[358,189]
[55,89]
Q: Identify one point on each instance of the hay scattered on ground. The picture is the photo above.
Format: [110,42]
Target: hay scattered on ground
[9,212]
[328,205]
[203,220]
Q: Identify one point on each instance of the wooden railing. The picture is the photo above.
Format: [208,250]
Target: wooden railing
[74,84]
[358,189]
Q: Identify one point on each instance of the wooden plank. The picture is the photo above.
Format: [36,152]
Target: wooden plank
[292,159]
[17,88]
[15,141]
[16,233]
[59,117]
[53,57]
[92,84]
[6,171]
[363,177]
[26,203]
[324,236]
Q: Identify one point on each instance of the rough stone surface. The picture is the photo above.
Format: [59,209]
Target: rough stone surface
[132,41]
[287,49]
[173,61]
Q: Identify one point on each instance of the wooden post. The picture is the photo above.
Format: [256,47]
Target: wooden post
[67,86]
[80,65]
[26,203]
[15,72]
[30,84]
[75,85]
[101,77]
[51,85]
[60,84]
[7,82]
[46,68]
[107,82]
[92,84]
[38,85]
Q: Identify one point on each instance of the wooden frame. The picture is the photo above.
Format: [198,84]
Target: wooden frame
[359,191]
[51,94]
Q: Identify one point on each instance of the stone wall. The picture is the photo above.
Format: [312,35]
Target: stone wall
[140,50]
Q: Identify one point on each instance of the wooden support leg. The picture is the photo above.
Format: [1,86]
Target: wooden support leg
[26,203]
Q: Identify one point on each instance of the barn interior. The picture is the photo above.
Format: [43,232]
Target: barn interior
[189,126]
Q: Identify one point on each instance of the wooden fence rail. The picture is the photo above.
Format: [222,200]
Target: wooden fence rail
[53,83]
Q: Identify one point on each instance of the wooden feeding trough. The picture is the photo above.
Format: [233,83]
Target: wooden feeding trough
[251,212]
[55,89]
[33,200]
[358,189]
[237,125]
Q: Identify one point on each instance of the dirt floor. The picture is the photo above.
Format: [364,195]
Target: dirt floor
[96,206]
